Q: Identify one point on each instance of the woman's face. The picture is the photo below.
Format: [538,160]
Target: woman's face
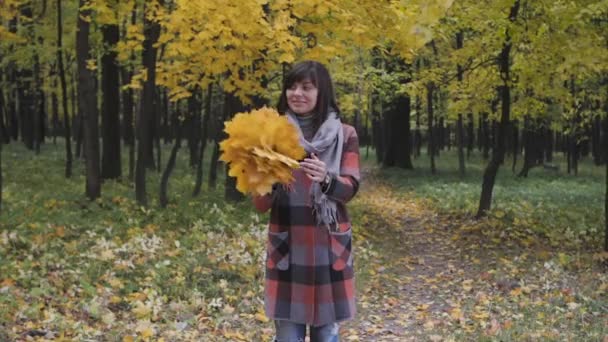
[302,97]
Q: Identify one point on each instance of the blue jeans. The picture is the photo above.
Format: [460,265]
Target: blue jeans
[294,332]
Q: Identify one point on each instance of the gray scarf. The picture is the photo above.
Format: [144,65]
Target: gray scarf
[326,144]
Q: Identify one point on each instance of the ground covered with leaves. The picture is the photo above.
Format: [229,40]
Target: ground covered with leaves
[110,270]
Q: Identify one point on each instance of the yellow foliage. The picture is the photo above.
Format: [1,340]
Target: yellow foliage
[262,148]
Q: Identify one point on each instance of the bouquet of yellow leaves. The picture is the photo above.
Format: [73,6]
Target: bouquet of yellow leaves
[262,148]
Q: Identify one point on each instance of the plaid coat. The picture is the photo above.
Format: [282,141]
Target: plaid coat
[309,270]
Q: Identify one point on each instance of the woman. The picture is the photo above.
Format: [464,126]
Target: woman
[309,266]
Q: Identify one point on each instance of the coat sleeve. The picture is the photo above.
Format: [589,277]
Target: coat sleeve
[262,203]
[344,186]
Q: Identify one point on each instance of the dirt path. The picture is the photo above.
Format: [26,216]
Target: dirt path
[406,284]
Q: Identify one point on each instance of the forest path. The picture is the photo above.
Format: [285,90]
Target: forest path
[431,277]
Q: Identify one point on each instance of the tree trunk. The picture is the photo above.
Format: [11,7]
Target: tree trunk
[194,128]
[595,140]
[54,108]
[2,137]
[204,138]
[417,131]
[441,140]
[605,146]
[2,141]
[573,151]
[87,106]
[485,136]
[217,128]
[515,145]
[170,164]
[25,89]
[431,137]
[530,143]
[3,118]
[111,166]
[489,176]
[38,102]
[156,130]
[128,106]
[166,110]
[377,125]
[232,105]
[64,94]
[459,123]
[146,116]
[470,135]
[397,122]
[460,143]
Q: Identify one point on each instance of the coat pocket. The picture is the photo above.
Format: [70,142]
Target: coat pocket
[341,249]
[278,251]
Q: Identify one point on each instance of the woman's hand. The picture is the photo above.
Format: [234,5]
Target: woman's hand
[314,168]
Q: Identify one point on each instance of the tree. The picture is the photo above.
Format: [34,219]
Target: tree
[504,65]
[111,157]
[146,115]
[64,93]
[87,105]
[171,162]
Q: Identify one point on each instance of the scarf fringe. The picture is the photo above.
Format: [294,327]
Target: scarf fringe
[325,210]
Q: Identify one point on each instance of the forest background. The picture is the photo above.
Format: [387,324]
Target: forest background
[483,132]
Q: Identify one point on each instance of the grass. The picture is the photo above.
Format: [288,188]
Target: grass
[76,269]
[563,207]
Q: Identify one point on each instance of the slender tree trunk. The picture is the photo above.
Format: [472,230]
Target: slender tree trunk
[25,89]
[128,106]
[2,137]
[156,131]
[397,124]
[530,142]
[217,128]
[194,129]
[418,133]
[486,136]
[204,138]
[515,133]
[489,176]
[54,109]
[470,134]
[595,140]
[430,87]
[459,124]
[550,145]
[377,128]
[111,166]
[232,105]
[4,116]
[605,146]
[146,117]
[167,128]
[39,111]
[170,164]
[64,94]
[2,140]
[87,106]
[460,143]
[440,135]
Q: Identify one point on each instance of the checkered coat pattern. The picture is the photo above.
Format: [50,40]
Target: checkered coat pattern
[309,269]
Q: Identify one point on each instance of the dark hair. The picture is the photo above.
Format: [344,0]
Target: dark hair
[318,74]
